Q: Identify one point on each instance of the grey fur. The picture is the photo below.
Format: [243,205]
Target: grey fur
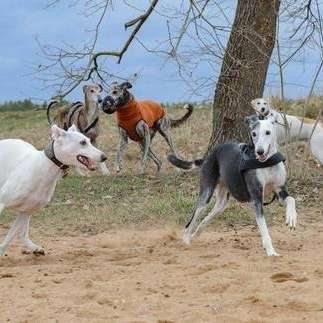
[220,173]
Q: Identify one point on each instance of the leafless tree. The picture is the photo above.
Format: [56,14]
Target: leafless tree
[199,33]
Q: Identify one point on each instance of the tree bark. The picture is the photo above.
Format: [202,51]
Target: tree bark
[244,68]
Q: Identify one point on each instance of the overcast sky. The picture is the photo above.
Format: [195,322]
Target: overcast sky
[22,21]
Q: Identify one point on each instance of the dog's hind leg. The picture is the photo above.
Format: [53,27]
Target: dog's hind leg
[222,199]
[24,236]
[291,214]
[155,159]
[123,142]
[142,130]
[11,234]
[208,181]
[163,127]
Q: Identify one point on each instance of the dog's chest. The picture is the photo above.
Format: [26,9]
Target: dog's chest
[272,178]
[33,195]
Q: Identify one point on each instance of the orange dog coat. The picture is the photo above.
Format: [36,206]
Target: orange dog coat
[130,114]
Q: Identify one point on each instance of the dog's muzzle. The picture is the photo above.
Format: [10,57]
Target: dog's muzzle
[108,105]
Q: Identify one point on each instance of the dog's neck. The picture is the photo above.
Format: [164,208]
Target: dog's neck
[127,100]
[91,107]
[50,154]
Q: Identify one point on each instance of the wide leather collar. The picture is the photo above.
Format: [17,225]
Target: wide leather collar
[50,154]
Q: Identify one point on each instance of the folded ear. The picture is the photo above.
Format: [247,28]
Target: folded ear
[57,132]
[72,128]
[84,89]
[253,103]
[126,85]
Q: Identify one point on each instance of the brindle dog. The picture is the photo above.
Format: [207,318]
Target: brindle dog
[84,115]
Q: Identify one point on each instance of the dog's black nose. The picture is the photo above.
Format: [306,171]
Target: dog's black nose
[260,151]
[103,158]
[262,109]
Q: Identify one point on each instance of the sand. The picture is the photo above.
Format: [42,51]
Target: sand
[151,276]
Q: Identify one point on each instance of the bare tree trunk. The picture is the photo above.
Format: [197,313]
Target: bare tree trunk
[244,67]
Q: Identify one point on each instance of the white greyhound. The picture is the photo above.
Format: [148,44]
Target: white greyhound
[28,176]
[299,128]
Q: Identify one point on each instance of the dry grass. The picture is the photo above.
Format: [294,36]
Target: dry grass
[96,204]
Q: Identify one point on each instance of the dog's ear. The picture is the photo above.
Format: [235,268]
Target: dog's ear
[100,87]
[126,85]
[72,128]
[84,89]
[57,132]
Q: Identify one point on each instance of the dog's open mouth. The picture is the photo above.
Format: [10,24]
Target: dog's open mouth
[262,158]
[87,162]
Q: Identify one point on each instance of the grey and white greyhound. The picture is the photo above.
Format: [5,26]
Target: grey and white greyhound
[221,172]
[148,118]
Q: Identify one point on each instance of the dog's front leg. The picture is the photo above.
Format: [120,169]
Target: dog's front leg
[261,222]
[142,130]
[10,235]
[24,236]
[123,141]
[291,214]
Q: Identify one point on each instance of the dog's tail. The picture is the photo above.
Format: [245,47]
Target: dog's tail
[49,106]
[177,122]
[184,164]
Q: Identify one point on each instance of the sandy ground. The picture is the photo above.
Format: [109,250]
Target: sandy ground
[150,276]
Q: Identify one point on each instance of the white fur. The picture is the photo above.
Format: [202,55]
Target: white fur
[298,130]
[28,178]
[272,178]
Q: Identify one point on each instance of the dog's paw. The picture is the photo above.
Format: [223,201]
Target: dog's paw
[37,252]
[271,252]
[2,251]
[291,219]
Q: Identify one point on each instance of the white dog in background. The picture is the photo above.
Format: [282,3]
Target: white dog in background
[299,128]
[28,176]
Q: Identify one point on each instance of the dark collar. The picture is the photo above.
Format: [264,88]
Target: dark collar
[249,161]
[50,154]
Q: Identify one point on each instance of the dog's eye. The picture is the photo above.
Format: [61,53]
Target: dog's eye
[83,142]
[265,103]
[268,132]
[258,103]
[254,134]
[114,92]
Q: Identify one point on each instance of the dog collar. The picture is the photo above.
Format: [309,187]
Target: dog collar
[50,154]
[248,160]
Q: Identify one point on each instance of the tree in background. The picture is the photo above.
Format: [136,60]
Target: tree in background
[198,32]
[244,67]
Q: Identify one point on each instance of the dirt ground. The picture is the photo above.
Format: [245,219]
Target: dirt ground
[151,276]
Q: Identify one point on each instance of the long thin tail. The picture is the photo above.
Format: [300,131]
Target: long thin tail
[177,122]
[184,164]
[49,106]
